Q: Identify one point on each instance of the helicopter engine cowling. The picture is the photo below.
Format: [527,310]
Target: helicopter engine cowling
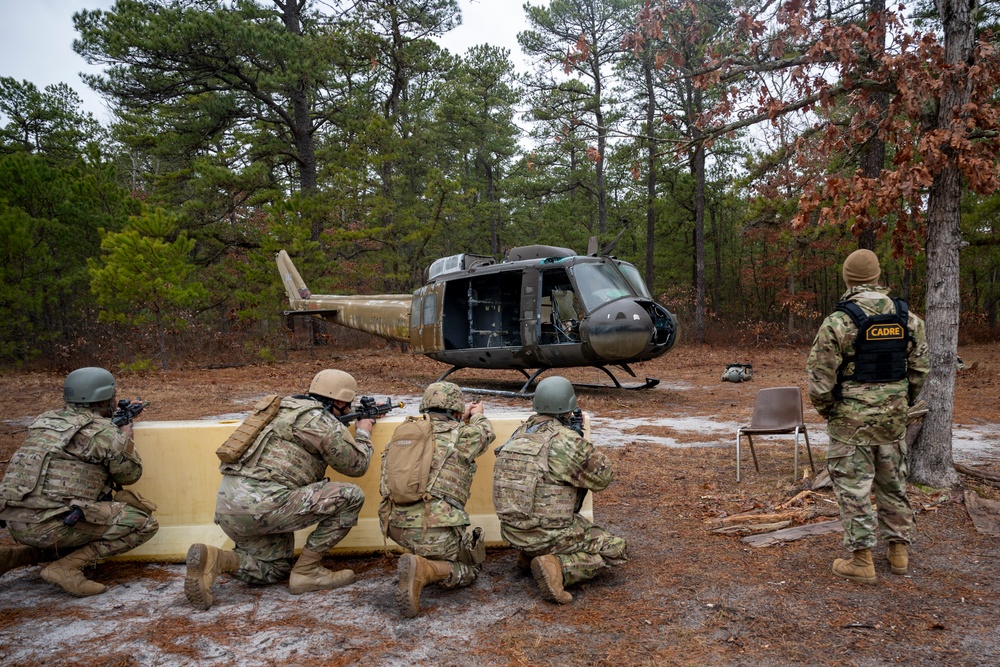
[619,330]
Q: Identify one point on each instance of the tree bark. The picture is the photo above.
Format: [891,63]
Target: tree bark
[873,150]
[647,70]
[302,127]
[932,462]
[698,172]
[602,141]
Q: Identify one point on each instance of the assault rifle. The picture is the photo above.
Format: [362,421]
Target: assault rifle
[127,411]
[576,421]
[369,409]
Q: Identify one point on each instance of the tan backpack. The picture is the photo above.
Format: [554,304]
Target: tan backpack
[239,442]
[407,463]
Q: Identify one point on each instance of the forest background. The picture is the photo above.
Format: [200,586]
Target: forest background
[740,148]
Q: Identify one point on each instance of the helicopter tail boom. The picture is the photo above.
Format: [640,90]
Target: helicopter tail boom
[295,287]
[385,315]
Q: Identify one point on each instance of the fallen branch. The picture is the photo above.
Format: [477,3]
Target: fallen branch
[791,501]
[750,529]
[741,519]
[822,480]
[792,534]
[989,477]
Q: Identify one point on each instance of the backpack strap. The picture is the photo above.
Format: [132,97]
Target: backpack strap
[903,311]
[857,316]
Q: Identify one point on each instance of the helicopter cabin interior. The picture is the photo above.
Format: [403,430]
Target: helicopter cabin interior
[482,311]
[485,311]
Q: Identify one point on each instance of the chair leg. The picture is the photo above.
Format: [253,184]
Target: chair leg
[811,466]
[795,473]
[737,456]
[753,452]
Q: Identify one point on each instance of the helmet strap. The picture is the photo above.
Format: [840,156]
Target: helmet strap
[327,402]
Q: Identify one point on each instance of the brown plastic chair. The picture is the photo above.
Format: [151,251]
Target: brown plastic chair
[776,411]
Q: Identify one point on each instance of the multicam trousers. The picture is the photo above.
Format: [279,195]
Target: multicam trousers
[451,543]
[265,542]
[113,528]
[855,475]
[583,549]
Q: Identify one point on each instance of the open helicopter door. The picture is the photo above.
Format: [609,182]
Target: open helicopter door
[426,321]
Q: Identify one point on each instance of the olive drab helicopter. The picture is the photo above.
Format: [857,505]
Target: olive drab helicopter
[541,307]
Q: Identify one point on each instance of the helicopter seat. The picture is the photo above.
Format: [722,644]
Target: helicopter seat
[565,316]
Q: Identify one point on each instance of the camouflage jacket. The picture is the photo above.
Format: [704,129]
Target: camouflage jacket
[458,445]
[294,450]
[570,463]
[860,413]
[71,456]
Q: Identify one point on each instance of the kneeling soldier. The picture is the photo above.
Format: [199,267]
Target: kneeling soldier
[56,495]
[541,476]
[277,486]
[423,506]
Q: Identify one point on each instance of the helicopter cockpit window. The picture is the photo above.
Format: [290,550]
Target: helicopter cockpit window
[561,309]
[634,279]
[599,283]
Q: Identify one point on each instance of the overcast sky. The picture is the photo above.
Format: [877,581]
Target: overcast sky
[36,39]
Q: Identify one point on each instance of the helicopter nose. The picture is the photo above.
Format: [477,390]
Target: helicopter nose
[619,330]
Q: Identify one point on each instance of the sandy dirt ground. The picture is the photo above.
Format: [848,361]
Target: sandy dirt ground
[687,596]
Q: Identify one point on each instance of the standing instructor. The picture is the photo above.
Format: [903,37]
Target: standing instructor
[866,367]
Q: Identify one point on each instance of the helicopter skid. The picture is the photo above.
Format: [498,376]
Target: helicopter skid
[648,384]
[524,393]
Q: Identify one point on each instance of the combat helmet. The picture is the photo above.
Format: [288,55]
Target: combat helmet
[334,384]
[445,396]
[85,386]
[554,396]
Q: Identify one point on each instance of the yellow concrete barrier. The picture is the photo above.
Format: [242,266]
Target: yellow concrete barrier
[181,475]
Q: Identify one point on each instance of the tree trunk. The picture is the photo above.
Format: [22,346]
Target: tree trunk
[699,242]
[302,122]
[931,459]
[161,341]
[873,150]
[717,245]
[491,196]
[698,171]
[602,193]
[647,70]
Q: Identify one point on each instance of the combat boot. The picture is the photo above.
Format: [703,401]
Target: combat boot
[67,573]
[860,567]
[415,572]
[308,575]
[898,557]
[523,562]
[548,574]
[19,556]
[204,565]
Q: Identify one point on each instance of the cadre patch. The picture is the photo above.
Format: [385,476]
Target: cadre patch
[885,332]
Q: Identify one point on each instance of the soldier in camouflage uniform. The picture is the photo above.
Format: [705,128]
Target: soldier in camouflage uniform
[278,487]
[541,476]
[866,421]
[443,551]
[56,494]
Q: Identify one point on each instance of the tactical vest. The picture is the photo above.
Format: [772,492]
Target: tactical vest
[450,478]
[523,494]
[275,456]
[43,475]
[881,344]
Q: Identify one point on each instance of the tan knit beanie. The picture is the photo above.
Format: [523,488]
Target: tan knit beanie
[861,268]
